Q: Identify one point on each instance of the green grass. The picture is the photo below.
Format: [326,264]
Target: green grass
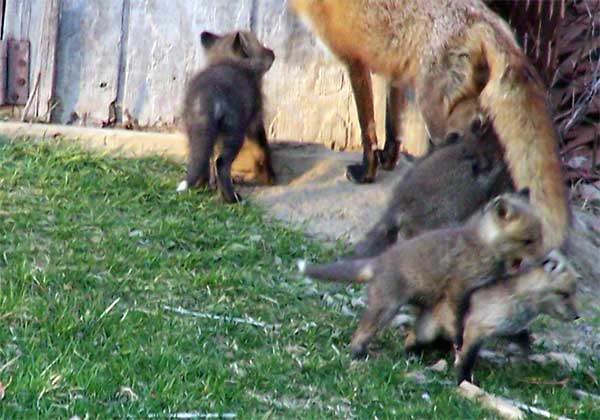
[93,248]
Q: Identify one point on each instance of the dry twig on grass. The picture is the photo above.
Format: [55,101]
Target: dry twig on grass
[507,408]
[235,320]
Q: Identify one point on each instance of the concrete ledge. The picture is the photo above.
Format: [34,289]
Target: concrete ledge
[115,141]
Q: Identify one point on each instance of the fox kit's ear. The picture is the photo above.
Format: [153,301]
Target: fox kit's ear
[502,208]
[525,193]
[208,39]
[240,45]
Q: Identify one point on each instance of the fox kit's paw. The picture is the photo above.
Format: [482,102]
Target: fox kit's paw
[183,185]
[234,199]
[301,264]
[360,353]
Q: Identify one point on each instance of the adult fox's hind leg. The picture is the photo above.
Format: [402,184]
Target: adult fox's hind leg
[360,78]
[395,104]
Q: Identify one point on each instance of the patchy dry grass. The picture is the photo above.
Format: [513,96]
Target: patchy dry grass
[97,252]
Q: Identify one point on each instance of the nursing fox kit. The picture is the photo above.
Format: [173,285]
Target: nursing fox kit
[438,54]
[222,105]
[458,177]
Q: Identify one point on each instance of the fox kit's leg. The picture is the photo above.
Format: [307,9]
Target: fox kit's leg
[467,354]
[201,141]
[523,340]
[360,79]
[383,306]
[259,137]
[395,103]
[232,143]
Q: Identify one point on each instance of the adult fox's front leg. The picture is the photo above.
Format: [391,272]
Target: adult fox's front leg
[360,78]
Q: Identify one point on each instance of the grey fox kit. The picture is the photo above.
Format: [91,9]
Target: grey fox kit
[222,105]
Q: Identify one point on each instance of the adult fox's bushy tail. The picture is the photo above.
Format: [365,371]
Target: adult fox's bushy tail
[515,99]
[355,271]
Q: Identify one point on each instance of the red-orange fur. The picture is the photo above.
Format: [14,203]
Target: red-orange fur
[442,53]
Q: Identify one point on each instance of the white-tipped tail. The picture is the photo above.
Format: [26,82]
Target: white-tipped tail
[301,265]
[183,185]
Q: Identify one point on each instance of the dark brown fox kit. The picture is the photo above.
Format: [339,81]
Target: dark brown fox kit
[502,309]
[222,105]
[443,189]
[438,54]
[445,262]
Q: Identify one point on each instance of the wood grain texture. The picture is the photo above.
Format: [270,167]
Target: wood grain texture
[23,21]
[87,59]
[137,55]
[46,43]
[1,18]
[163,50]
[3,70]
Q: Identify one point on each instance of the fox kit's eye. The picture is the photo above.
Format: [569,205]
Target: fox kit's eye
[564,295]
[528,242]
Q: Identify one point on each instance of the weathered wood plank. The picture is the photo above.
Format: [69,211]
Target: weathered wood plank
[46,41]
[3,70]
[18,72]
[87,60]
[163,50]
[1,18]
[23,20]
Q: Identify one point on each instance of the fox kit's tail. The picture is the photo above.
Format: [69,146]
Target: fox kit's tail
[515,99]
[357,271]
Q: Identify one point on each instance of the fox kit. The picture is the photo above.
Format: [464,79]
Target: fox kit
[459,178]
[502,309]
[437,54]
[223,103]
[448,261]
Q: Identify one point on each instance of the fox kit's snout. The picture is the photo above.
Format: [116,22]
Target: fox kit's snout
[507,308]
[560,300]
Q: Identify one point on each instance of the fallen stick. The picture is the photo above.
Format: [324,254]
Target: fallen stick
[109,308]
[567,360]
[580,393]
[235,320]
[538,411]
[503,407]
[193,415]
[507,408]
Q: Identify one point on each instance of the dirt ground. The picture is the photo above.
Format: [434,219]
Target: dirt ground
[313,193]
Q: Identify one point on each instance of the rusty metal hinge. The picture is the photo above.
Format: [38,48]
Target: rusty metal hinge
[17,72]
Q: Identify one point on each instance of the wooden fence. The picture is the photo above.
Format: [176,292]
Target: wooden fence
[114,62]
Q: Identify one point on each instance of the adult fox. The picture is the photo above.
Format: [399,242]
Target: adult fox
[438,54]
